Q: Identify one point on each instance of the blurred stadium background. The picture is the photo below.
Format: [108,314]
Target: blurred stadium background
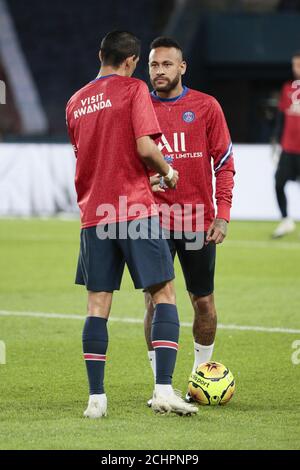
[240,52]
[237,50]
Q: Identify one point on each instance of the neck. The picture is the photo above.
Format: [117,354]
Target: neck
[172,93]
[108,70]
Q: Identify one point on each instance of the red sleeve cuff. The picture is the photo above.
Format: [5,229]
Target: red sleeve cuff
[223,212]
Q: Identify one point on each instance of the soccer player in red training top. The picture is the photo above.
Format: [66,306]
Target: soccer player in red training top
[111,123]
[195,135]
[288,134]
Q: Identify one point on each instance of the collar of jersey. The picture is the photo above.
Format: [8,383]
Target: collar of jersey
[104,76]
[169,100]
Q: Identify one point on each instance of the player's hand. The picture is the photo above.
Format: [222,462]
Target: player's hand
[217,231]
[155,181]
[172,184]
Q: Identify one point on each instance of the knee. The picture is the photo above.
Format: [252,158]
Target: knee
[204,305]
[164,293]
[99,304]
[168,294]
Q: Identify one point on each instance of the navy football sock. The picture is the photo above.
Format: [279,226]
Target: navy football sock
[165,334]
[94,343]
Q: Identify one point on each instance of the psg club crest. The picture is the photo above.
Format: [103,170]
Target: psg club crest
[188,116]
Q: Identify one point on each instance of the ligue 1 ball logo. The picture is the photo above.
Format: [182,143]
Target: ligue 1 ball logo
[188,116]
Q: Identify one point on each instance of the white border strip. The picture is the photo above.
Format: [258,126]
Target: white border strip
[62,316]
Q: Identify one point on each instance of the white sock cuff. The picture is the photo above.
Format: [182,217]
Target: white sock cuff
[98,396]
[151,355]
[164,389]
[201,346]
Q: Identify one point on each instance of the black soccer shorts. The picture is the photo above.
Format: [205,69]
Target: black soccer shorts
[198,266]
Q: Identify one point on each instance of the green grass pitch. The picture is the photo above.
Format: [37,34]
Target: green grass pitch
[43,389]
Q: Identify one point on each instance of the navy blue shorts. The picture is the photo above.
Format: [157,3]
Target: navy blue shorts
[198,266]
[101,261]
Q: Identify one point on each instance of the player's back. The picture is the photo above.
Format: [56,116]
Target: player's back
[103,124]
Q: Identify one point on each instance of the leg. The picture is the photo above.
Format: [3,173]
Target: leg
[94,344]
[151,267]
[204,327]
[150,264]
[100,268]
[99,304]
[149,312]
[164,335]
[198,267]
[284,173]
[148,319]
[281,199]
[281,178]
[164,330]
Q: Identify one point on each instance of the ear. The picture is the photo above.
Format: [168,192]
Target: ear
[100,55]
[183,67]
[128,62]
[133,59]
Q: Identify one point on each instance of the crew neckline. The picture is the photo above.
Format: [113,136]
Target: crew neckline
[104,76]
[175,98]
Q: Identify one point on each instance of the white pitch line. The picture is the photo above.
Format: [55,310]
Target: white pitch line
[62,316]
[272,244]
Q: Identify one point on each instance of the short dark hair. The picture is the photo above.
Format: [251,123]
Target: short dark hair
[116,46]
[164,41]
[296,54]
